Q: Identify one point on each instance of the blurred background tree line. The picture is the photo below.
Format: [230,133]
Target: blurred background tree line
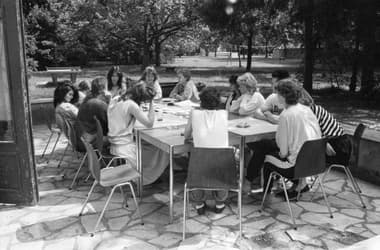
[338,35]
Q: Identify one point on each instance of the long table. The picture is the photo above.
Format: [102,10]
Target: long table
[167,135]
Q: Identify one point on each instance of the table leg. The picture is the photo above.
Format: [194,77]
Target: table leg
[241,177]
[139,164]
[171,184]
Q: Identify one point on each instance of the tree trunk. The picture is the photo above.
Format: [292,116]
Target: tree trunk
[216,50]
[308,40]
[146,48]
[369,46]
[206,51]
[157,52]
[266,48]
[239,56]
[249,51]
[355,60]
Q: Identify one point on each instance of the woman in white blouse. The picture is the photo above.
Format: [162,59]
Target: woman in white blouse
[150,76]
[250,100]
[208,127]
[297,124]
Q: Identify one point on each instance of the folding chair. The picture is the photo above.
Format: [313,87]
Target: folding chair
[115,177]
[61,124]
[53,131]
[77,147]
[99,144]
[311,161]
[355,151]
[211,169]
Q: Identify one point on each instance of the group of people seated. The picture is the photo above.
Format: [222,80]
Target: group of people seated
[116,102]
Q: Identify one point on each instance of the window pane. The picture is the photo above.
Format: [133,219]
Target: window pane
[6,128]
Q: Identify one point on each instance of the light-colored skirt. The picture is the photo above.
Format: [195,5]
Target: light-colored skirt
[154,160]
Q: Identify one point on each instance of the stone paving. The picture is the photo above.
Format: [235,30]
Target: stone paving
[54,222]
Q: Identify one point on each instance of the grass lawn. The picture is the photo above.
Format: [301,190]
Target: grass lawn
[348,108]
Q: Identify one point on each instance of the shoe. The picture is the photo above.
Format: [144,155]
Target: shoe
[201,210]
[218,210]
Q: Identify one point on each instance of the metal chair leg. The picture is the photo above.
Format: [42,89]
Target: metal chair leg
[47,144]
[125,202]
[266,191]
[184,212]
[315,191]
[287,201]
[353,182]
[77,173]
[104,209]
[88,197]
[137,205]
[53,149]
[63,155]
[325,197]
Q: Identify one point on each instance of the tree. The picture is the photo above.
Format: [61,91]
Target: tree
[240,18]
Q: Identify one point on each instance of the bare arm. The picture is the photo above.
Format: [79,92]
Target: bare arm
[146,120]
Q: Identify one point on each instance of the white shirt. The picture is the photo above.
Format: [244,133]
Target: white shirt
[248,103]
[210,128]
[157,89]
[271,103]
[297,124]
[120,121]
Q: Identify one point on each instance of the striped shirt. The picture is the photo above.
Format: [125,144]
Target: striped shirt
[329,125]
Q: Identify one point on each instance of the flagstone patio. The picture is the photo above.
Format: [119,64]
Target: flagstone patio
[54,222]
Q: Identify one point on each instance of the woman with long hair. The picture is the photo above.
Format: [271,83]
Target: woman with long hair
[65,98]
[150,76]
[116,82]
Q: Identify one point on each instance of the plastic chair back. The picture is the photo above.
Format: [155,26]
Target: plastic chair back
[73,138]
[356,143]
[92,159]
[311,159]
[61,124]
[99,135]
[212,168]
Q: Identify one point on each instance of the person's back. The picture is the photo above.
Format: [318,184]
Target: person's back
[301,125]
[120,121]
[87,111]
[210,128]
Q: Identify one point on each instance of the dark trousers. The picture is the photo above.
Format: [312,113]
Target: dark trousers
[260,149]
[342,146]
[269,167]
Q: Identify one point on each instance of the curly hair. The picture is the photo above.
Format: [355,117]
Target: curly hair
[210,98]
[151,70]
[139,93]
[289,90]
[61,91]
[248,80]
[114,70]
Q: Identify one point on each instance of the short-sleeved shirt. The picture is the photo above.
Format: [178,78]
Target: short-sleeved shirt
[247,104]
[210,128]
[272,104]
